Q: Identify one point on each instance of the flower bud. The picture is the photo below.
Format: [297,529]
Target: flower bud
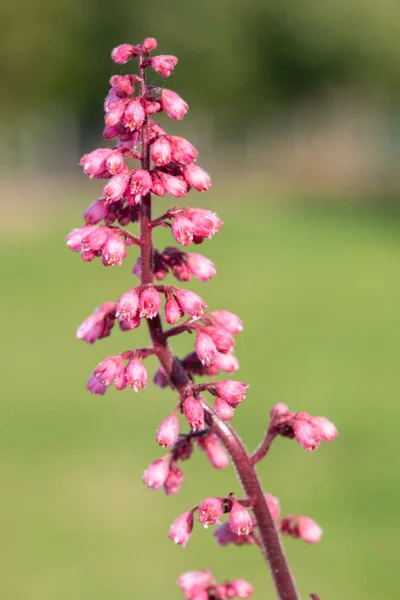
[224,536]
[128,305]
[149,303]
[194,413]
[210,511]
[121,54]
[95,386]
[164,64]
[140,185]
[181,529]
[98,325]
[95,239]
[134,115]
[240,520]
[194,581]
[129,323]
[174,186]
[182,150]
[227,320]
[190,302]
[233,392]
[325,429]
[114,251]
[115,163]
[161,378]
[96,212]
[223,340]
[168,432]
[215,452]
[156,474]
[93,164]
[182,230]
[108,369]
[205,349]
[149,45]
[116,187]
[136,374]
[196,177]
[75,237]
[241,588]
[110,132]
[114,115]
[200,266]
[305,434]
[173,311]
[224,409]
[173,482]
[303,527]
[174,106]
[161,152]
[227,362]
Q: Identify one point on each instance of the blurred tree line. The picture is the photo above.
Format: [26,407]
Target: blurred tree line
[237,56]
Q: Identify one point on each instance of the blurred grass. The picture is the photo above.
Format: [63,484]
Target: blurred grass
[319,292]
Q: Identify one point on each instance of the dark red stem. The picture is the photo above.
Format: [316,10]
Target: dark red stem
[263,448]
[270,542]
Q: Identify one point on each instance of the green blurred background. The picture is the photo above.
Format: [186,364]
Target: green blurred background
[295,111]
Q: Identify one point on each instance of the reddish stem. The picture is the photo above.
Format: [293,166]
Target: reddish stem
[270,542]
[263,448]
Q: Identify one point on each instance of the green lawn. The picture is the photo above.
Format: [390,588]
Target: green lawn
[319,292]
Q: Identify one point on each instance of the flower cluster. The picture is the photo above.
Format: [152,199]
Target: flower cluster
[166,164]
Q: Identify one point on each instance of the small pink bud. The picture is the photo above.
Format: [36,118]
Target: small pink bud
[164,64]
[181,529]
[173,482]
[174,186]
[95,239]
[210,511]
[157,187]
[309,531]
[75,237]
[182,151]
[136,374]
[168,432]
[120,381]
[121,54]
[93,164]
[174,106]
[224,409]
[200,266]
[149,45]
[114,251]
[173,311]
[128,139]
[195,581]
[273,506]
[149,303]
[241,588]
[156,474]
[161,378]
[223,340]
[109,369]
[96,212]
[182,230]
[129,323]
[305,434]
[231,391]
[196,177]
[224,536]
[115,163]
[114,115]
[116,187]
[98,325]
[161,152]
[134,115]
[194,413]
[227,362]
[123,83]
[140,185]
[190,302]
[227,320]
[278,411]
[240,520]
[325,429]
[215,452]
[128,305]
[205,349]
[95,386]
[110,132]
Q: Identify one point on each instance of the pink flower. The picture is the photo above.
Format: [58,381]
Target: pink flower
[196,177]
[115,163]
[121,54]
[93,164]
[149,303]
[205,223]
[306,434]
[194,413]
[273,506]
[233,392]
[168,432]
[227,362]
[114,115]
[123,83]
[114,251]
[194,581]
[174,106]
[156,474]
[325,429]
[75,237]
[183,152]
[224,536]
[134,115]
[173,311]
[215,452]
[227,320]
[95,387]
[161,152]
[98,325]
[210,511]
[200,266]
[190,302]
[303,527]
[205,349]
[116,187]
[223,340]
[241,588]
[128,305]
[129,323]
[95,239]
[182,230]
[136,374]
[175,186]
[109,369]
[96,212]
[140,185]
[110,132]
[173,482]
[224,409]
[149,44]
[181,528]
[240,520]
[164,64]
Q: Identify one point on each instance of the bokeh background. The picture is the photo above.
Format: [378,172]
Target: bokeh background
[295,111]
